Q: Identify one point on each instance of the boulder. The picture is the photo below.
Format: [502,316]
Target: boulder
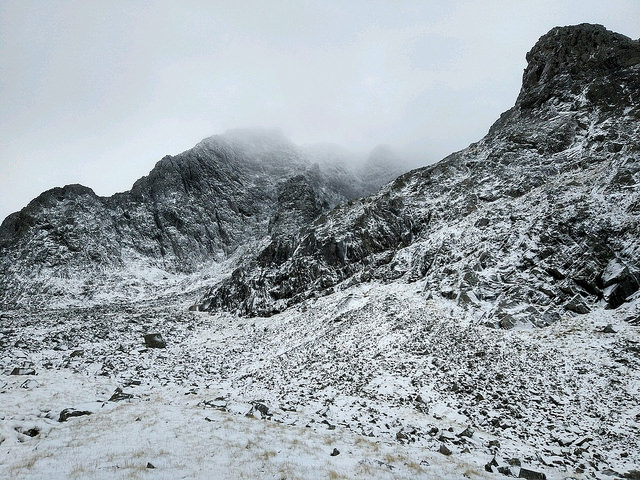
[154,340]
[619,282]
[576,305]
[531,474]
[489,465]
[70,412]
[119,395]
[444,450]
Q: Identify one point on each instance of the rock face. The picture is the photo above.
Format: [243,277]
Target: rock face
[192,209]
[537,220]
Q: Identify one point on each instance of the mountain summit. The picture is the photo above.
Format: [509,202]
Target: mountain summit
[536,221]
[192,209]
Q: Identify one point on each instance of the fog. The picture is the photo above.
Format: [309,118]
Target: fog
[97,92]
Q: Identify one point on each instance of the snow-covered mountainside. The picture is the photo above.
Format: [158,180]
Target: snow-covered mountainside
[478,318]
[192,209]
[538,219]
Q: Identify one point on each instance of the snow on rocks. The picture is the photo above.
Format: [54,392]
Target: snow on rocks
[399,371]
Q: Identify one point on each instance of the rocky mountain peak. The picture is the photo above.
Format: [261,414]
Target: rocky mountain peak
[523,226]
[577,53]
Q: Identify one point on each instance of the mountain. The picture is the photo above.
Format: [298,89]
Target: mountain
[538,220]
[193,209]
[477,318]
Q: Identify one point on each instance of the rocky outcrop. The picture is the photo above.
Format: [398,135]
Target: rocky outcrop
[521,226]
[192,209]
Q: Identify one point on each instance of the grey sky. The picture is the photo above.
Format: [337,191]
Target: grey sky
[95,92]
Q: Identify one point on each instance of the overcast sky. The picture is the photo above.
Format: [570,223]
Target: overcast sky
[95,92]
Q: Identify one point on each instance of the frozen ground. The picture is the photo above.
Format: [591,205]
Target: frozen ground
[384,374]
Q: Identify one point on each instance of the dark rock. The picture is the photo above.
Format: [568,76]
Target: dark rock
[29,384]
[507,322]
[483,222]
[507,471]
[444,450]
[23,371]
[402,436]
[77,353]
[489,466]
[154,340]
[467,432]
[555,273]
[632,475]
[329,425]
[446,436]
[335,452]
[578,306]
[619,282]
[531,474]
[608,329]
[119,395]
[582,441]
[449,293]
[31,432]
[150,465]
[494,444]
[70,412]
[262,408]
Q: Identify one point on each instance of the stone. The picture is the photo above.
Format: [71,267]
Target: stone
[531,474]
[262,408]
[467,432]
[31,432]
[154,340]
[119,395]
[29,384]
[576,305]
[70,412]
[507,322]
[444,450]
[504,470]
[22,371]
[619,283]
[489,465]
[150,465]
[608,329]
[335,452]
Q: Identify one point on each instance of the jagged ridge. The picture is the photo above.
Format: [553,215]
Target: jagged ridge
[192,209]
[538,218]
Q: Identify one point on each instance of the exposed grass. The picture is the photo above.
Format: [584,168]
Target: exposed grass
[414,466]
[25,464]
[267,454]
[333,475]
